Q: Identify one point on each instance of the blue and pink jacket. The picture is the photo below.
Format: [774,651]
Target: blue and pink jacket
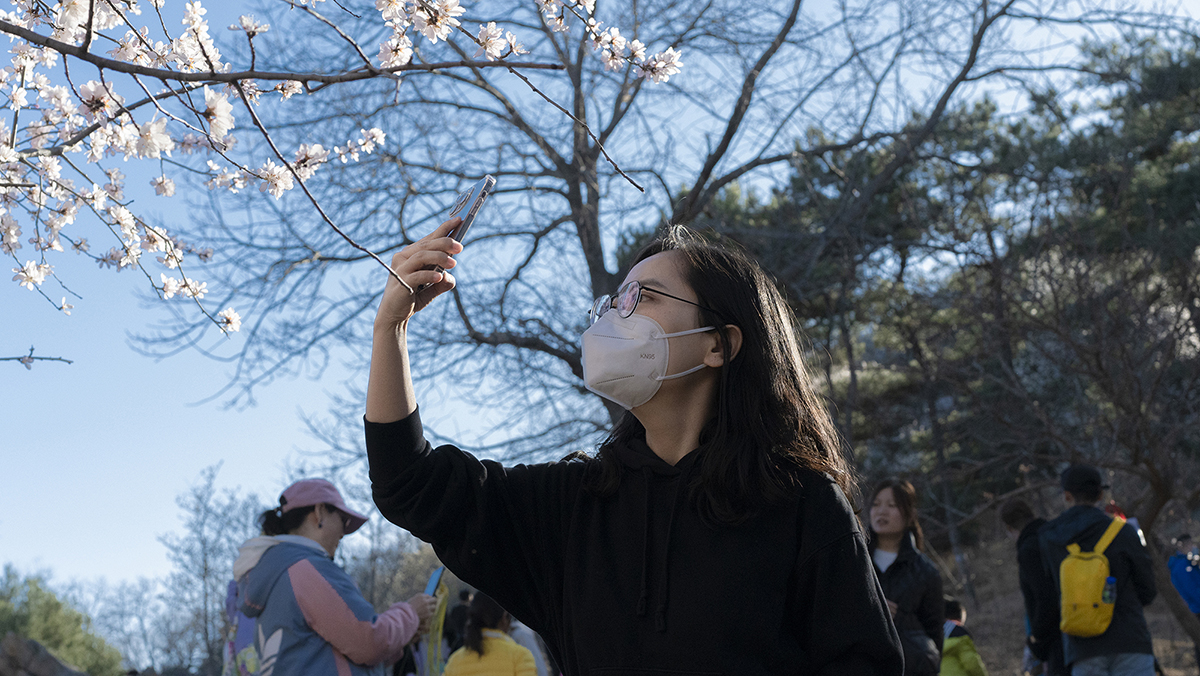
[310,616]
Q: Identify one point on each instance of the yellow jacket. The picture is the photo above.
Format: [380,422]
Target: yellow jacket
[959,656]
[502,656]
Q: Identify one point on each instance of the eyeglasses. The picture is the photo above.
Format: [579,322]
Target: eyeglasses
[626,300]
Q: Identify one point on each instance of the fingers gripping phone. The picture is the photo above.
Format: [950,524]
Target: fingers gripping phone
[467,207]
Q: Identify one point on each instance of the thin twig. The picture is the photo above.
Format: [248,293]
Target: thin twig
[271,142]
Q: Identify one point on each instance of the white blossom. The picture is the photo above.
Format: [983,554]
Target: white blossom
[659,67]
[98,100]
[219,113]
[115,188]
[276,179]
[397,51]
[10,234]
[153,139]
[308,158]
[230,320]
[163,186]
[170,286]
[637,51]
[289,88]
[394,11]
[65,306]
[19,98]
[438,24]
[490,41]
[250,26]
[130,256]
[517,48]
[190,288]
[371,138]
[31,275]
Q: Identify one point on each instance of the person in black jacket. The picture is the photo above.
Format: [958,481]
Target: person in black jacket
[712,533]
[1125,649]
[910,581]
[1037,587]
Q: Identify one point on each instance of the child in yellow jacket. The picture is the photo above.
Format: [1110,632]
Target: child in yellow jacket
[487,650]
[959,656]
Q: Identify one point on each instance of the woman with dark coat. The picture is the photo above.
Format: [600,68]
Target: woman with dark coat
[910,581]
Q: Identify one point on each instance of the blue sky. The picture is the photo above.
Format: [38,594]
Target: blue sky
[95,452]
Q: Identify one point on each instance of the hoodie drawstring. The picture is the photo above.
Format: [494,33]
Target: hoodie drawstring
[660,613]
[645,595]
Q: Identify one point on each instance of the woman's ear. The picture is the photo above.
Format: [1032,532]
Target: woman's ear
[716,355]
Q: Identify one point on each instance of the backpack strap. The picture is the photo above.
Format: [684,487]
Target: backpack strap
[1109,534]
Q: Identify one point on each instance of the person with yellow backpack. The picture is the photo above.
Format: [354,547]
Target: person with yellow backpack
[1103,578]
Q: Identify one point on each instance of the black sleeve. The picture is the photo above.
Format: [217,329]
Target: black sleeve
[931,612]
[1141,569]
[499,529]
[1045,624]
[1041,601]
[843,623]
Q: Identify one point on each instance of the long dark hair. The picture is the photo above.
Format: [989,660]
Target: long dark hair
[277,522]
[484,613]
[769,423]
[906,501]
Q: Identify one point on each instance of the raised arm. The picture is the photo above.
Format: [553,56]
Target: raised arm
[390,394]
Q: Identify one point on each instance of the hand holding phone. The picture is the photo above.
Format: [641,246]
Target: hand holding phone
[467,207]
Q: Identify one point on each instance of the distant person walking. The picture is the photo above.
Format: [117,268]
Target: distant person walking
[1125,647]
[487,648]
[911,583]
[959,655]
[311,618]
[1037,586]
[1185,576]
[712,532]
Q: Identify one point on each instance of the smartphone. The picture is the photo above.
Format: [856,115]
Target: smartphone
[468,204]
[467,207]
[434,580]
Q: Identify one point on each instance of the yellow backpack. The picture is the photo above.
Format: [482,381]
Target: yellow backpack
[1088,593]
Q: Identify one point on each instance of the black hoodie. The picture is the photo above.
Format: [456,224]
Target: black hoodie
[636,583]
[1127,561]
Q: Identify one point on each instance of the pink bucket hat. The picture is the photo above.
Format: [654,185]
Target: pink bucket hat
[318,492]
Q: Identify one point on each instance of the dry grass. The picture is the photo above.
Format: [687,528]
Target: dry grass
[998,624]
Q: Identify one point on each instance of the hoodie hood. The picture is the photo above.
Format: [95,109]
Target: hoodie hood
[261,560]
[1073,524]
[1030,532]
[252,550]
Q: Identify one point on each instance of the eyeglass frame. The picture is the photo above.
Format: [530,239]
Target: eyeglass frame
[607,301]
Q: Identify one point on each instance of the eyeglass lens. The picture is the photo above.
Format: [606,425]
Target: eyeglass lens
[627,298]
[625,301]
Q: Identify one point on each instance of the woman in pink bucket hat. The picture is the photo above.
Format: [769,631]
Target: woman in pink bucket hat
[310,616]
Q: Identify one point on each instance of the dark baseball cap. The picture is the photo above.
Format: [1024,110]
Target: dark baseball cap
[1082,479]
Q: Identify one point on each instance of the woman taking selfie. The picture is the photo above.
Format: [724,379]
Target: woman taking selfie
[310,616]
[712,532]
[911,582]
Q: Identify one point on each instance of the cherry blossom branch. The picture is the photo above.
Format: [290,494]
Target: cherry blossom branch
[356,75]
[316,205]
[28,359]
[561,109]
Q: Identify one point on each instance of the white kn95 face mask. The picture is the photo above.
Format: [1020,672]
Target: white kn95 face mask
[625,358]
